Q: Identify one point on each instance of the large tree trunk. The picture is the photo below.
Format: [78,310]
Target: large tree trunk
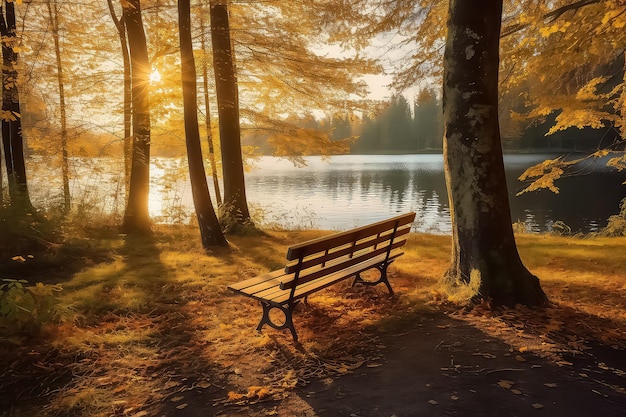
[235,207]
[53,14]
[13,144]
[136,217]
[484,253]
[210,230]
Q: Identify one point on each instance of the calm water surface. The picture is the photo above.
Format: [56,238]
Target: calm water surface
[344,191]
[352,190]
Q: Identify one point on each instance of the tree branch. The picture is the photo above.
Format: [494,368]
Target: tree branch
[550,16]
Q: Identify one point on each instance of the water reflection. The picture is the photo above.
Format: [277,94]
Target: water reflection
[346,191]
[353,190]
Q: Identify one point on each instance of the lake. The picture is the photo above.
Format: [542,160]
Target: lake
[351,190]
[345,191]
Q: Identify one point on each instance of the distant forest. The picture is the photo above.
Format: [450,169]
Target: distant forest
[401,128]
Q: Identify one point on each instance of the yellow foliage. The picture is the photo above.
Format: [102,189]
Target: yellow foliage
[618,162]
[589,90]
[580,118]
[546,173]
[615,17]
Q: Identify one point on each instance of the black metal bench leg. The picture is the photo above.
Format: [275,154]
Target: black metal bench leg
[358,280]
[287,311]
[382,268]
[383,276]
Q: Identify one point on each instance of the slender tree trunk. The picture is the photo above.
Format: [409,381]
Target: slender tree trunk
[1,176]
[120,25]
[210,230]
[484,253]
[13,144]
[235,207]
[207,111]
[53,13]
[136,217]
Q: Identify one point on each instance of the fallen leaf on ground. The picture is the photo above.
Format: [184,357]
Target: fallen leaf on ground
[432,402]
[506,384]
[537,405]
[485,355]
[550,385]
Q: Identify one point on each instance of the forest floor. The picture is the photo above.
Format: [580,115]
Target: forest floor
[150,329]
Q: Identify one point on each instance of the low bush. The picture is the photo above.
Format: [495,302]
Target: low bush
[24,309]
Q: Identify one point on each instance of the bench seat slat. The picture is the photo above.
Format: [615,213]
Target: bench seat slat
[314,273]
[313,286]
[275,295]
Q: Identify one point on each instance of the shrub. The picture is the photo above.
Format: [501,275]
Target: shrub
[25,309]
[617,223]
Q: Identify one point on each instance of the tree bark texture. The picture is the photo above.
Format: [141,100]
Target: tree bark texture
[207,110]
[484,253]
[136,217]
[53,14]
[12,140]
[210,230]
[235,206]
[120,25]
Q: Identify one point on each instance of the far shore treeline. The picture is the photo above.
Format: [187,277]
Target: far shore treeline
[396,127]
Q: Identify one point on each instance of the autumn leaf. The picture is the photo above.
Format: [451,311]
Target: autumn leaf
[506,384]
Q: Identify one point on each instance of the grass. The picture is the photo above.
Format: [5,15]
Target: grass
[150,320]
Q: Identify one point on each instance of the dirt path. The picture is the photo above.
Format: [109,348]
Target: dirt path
[446,367]
[438,366]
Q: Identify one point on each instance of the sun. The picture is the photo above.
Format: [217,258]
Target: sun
[155,76]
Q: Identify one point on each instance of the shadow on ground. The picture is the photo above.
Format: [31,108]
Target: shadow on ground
[436,365]
[432,365]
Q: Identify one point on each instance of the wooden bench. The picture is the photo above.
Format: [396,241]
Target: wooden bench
[319,263]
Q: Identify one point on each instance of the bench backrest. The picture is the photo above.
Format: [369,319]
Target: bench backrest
[323,256]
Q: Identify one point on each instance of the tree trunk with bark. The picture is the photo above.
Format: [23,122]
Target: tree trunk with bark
[235,211]
[136,217]
[484,254]
[120,25]
[207,111]
[53,14]
[12,141]
[210,231]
